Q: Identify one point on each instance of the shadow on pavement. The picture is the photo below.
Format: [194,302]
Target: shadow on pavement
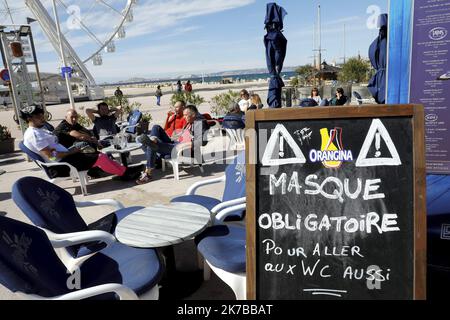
[5,196]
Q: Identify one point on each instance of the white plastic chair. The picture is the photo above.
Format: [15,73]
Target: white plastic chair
[236,280]
[237,139]
[74,173]
[61,241]
[180,159]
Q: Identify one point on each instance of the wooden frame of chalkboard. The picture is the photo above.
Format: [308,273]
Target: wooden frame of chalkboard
[413,114]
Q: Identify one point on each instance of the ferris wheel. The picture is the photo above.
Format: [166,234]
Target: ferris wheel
[90,29]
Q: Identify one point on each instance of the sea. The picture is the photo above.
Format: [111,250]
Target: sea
[211,79]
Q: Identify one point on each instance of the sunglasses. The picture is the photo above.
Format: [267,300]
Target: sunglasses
[31,109]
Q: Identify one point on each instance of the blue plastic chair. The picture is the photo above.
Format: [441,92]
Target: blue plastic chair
[64,170]
[29,265]
[232,205]
[223,248]
[438,242]
[54,209]
[133,121]
[358,97]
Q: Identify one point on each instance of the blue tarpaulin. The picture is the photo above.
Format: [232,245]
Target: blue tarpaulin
[276,45]
[377,55]
[400,44]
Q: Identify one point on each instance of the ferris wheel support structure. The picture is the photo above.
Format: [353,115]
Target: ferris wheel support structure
[49,27]
[63,57]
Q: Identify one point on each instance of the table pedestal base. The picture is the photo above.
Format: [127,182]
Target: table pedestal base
[177,284]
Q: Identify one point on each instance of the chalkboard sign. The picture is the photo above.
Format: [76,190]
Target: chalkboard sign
[335,203]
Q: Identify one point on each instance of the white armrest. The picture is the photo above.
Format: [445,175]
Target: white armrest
[122,123]
[181,147]
[124,129]
[226,212]
[123,292]
[69,239]
[191,191]
[103,202]
[226,204]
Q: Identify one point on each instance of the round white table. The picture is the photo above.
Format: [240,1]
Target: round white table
[162,225]
[131,146]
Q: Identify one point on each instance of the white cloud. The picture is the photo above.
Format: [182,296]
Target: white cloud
[150,17]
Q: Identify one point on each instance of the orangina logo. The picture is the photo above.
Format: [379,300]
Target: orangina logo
[332,153]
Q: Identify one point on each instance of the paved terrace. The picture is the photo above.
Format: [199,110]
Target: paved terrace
[161,190]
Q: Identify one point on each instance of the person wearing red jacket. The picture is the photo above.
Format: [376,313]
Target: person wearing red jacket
[188,86]
[175,122]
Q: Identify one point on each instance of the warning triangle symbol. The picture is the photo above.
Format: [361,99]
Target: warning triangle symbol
[377,132]
[274,147]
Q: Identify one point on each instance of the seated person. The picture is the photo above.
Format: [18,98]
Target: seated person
[340,99]
[160,143]
[234,118]
[175,121]
[41,141]
[256,102]
[316,96]
[69,132]
[104,120]
[245,101]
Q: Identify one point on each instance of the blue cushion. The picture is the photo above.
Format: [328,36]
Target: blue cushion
[134,119]
[108,224]
[308,102]
[28,261]
[235,179]
[29,264]
[223,247]
[47,205]
[53,208]
[204,201]
[138,269]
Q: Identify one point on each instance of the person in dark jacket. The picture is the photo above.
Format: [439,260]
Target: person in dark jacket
[70,132]
[340,99]
[234,118]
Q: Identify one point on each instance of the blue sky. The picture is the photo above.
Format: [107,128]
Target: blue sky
[179,37]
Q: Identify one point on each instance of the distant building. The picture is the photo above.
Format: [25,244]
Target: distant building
[228,80]
[327,72]
[55,90]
